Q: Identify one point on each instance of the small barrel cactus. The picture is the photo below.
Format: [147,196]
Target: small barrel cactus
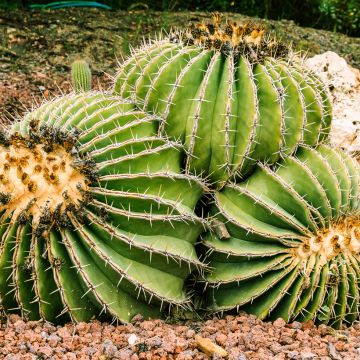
[96,218]
[291,245]
[81,76]
[230,94]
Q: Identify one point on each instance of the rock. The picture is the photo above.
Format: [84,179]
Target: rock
[293,355]
[46,351]
[132,339]
[343,81]
[279,323]
[296,325]
[147,325]
[108,348]
[44,335]
[137,318]
[63,332]
[307,355]
[242,337]
[308,325]
[90,351]
[209,348]
[54,338]
[334,355]
[221,339]
[19,326]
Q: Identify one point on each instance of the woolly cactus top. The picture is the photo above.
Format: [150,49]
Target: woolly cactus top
[342,237]
[231,37]
[42,176]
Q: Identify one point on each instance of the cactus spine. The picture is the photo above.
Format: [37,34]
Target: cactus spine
[229,94]
[81,76]
[96,218]
[293,249]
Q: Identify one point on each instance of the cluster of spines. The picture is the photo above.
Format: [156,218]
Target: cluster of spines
[233,39]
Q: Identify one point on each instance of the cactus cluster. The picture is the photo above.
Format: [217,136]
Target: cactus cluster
[229,94]
[209,158]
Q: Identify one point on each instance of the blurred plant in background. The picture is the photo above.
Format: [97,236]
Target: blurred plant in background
[336,15]
[341,15]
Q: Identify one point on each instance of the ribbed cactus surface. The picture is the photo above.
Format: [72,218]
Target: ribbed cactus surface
[230,94]
[81,76]
[290,241]
[96,218]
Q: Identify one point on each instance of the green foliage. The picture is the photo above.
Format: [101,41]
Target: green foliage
[341,15]
[337,15]
[11,4]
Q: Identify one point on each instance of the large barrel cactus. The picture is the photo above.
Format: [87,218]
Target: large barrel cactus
[96,218]
[230,94]
[288,241]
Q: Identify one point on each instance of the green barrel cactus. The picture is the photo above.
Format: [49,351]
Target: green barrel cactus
[81,76]
[290,241]
[95,217]
[230,94]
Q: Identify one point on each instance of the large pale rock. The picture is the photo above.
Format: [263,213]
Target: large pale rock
[343,82]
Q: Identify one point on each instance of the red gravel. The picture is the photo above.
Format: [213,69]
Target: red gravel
[243,336]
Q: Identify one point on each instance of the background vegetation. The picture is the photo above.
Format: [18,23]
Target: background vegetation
[336,15]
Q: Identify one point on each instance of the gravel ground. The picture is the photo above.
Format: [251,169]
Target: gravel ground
[243,337]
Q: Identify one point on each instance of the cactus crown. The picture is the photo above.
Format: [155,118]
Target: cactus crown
[232,38]
[340,238]
[43,177]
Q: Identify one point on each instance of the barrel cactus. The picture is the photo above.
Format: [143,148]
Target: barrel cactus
[290,241]
[230,94]
[96,218]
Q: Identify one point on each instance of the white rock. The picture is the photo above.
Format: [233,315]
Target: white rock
[343,81]
[132,339]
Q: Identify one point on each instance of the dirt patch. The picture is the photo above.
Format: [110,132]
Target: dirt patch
[37,47]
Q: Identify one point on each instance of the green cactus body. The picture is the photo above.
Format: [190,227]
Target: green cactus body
[293,243]
[96,218]
[231,101]
[81,76]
